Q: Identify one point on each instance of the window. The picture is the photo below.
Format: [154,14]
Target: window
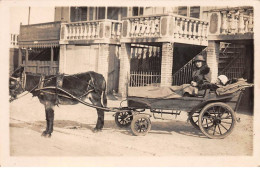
[183,10]
[195,11]
[113,12]
[78,14]
[138,11]
[101,12]
[91,13]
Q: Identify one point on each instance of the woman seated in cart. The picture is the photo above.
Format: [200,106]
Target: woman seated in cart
[201,75]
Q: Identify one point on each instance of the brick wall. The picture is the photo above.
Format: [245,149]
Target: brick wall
[167,62]
[213,58]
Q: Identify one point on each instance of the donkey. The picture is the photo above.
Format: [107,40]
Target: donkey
[89,85]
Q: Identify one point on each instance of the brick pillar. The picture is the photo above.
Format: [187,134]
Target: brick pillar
[62,59]
[213,58]
[167,63]
[124,68]
[103,60]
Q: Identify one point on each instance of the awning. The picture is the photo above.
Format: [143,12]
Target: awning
[38,44]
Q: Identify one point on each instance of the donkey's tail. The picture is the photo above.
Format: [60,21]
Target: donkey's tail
[104,94]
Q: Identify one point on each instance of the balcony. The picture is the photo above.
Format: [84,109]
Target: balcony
[14,40]
[231,24]
[85,32]
[165,28]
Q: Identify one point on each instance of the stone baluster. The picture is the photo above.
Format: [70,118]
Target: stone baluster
[181,27]
[224,25]
[148,27]
[132,28]
[185,30]
[113,32]
[241,25]
[199,29]
[233,22]
[142,27]
[85,30]
[66,31]
[250,21]
[190,29]
[138,27]
[94,27]
[194,27]
[89,30]
[72,31]
[246,24]
[97,29]
[118,30]
[177,27]
[152,22]
[157,26]
[79,31]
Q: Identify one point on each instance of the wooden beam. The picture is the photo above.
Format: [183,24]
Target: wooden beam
[51,64]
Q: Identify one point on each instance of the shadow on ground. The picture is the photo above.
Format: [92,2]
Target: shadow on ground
[163,127]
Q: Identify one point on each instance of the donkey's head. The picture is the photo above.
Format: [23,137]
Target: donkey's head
[15,83]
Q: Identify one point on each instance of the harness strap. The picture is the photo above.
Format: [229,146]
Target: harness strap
[41,82]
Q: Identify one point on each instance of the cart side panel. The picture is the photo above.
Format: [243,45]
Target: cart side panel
[184,103]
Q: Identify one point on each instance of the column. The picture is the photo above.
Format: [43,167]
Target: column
[213,58]
[166,65]
[62,59]
[103,61]
[124,68]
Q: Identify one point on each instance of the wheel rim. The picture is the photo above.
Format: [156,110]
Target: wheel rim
[217,121]
[194,120]
[141,125]
[124,118]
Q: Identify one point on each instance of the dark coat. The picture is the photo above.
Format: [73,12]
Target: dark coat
[201,76]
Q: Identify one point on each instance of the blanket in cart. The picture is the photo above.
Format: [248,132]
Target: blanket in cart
[157,92]
[232,88]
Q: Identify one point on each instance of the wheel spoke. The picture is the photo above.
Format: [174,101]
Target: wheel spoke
[226,122]
[214,130]
[223,127]
[219,130]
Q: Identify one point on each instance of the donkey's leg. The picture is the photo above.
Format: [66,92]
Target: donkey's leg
[96,100]
[49,112]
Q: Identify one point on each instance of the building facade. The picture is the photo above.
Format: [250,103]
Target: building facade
[141,46]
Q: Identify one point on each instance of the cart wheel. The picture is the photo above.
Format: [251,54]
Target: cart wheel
[217,120]
[140,125]
[194,120]
[123,119]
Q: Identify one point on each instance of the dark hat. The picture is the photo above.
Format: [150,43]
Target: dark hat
[199,58]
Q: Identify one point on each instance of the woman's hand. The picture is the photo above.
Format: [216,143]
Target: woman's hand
[194,84]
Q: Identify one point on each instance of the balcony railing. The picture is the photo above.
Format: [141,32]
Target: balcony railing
[231,21]
[14,41]
[91,30]
[174,27]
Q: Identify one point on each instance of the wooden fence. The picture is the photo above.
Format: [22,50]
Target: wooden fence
[41,67]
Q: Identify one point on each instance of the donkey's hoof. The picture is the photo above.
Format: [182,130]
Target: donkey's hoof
[47,135]
[44,133]
[95,130]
